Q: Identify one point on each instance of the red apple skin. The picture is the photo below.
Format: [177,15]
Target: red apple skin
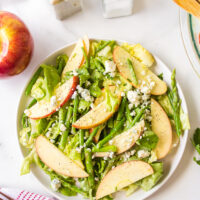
[67,98]
[16,45]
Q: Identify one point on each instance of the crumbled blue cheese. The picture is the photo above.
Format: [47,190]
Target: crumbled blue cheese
[133,113]
[87,83]
[146,87]
[130,106]
[85,94]
[123,94]
[74,72]
[74,95]
[110,68]
[52,140]
[111,154]
[143,153]
[62,127]
[48,134]
[26,112]
[55,184]
[134,97]
[118,82]
[53,101]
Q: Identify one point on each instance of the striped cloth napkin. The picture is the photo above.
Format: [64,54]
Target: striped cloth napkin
[17,194]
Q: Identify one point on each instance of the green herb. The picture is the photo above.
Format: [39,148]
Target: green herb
[196,143]
[148,141]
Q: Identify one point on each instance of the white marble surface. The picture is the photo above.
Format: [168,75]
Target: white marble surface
[154,24]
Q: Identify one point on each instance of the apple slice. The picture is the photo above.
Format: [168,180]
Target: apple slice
[161,126]
[125,140]
[76,58]
[98,115]
[86,43]
[122,176]
[120,57]
[62,94]
[56,159]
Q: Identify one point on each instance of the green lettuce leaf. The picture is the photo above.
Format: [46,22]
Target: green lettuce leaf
[83,74]
[38,126]
[25,138]
[61,61]
[131,189]
[51,79]
[185,124]
[25,168]
[67,192]
[148,141]
[149,182]
[83,106]
[38,89]
[165,103]
[196,143]
[95,89]
[71,151]
[111,100]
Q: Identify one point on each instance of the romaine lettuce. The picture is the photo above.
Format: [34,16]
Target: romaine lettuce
[149,182]
[51,79]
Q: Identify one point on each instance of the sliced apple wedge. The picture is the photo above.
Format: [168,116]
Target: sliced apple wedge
[56,159]
[76,58]
[120,57]
[86,43]
[45,107]
[125,140]
[122,176]
[161,126]
[98,115]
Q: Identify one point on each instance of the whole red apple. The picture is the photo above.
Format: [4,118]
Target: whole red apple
[16,44]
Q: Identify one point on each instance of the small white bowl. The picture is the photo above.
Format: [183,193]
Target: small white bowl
[170,163]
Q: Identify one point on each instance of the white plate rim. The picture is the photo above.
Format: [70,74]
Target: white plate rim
[184,137]
[186,38]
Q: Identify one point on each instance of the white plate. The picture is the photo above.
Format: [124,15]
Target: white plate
[170,163]
[190,33]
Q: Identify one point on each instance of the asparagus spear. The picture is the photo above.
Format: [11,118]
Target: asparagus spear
[121,109]
[130,64]
[128,114]
[137,117]
[89,166]
[24,117]
[110,135]
[94,132]
[33,80]
[86,58]
[175,103]
[75,110]
[64,136]
[110,148]
[61,119]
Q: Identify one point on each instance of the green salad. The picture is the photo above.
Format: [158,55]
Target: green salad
[101,121]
